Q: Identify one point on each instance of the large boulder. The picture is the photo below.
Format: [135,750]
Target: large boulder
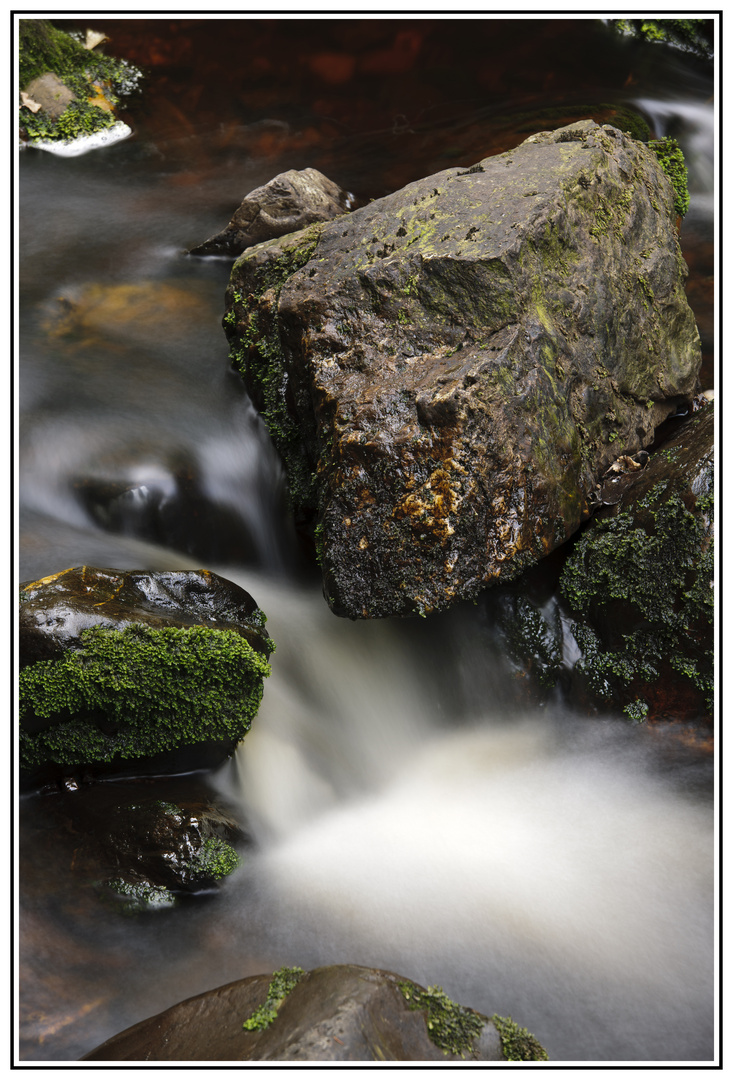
[339,1013]
[639,582]
[287,203]
[130,671]
[449,370]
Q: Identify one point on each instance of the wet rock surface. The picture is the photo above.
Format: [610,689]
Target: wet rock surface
[448,372]
[163,670]
[339,1013]
[640,585]
[286,204]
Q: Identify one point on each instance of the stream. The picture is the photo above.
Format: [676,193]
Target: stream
[407,809]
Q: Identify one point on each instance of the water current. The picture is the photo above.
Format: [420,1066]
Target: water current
[405,811]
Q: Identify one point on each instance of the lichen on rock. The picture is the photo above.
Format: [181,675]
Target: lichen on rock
[447,371]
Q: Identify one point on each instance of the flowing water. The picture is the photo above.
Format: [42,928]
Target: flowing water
[407,811]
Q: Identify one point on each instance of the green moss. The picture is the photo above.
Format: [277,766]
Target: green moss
[43,48]
[672,160]
[141,895]
[257,353]
[516,1042]
[139,691]
[283,982]
[694,35]
[452,1028]
[215,859]
[653,576]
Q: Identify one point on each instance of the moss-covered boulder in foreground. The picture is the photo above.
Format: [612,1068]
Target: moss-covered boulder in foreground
[136,672]
[448,371]
[338,1013]
[640,584]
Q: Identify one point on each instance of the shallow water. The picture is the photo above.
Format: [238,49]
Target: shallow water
[407,810]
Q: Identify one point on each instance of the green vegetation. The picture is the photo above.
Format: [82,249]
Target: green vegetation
[142,896]
[672,160]
[693,35]
[256,351]
[651,572]
[88,74]
[135,692]
[516,1042]
[452,1028]
[283,982]
[215,860]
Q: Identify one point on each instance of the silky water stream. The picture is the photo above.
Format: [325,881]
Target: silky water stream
[405,811]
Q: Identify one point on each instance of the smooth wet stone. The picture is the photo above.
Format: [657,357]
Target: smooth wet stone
[132,671]
[448,371]
[287,203]
[338,1013]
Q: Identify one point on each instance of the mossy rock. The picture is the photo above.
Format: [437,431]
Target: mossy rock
[92,84]
[448,371]
[639,583]
[690,35]
[338,1013]
[127,671]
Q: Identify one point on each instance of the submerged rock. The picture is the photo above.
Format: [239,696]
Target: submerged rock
[449,371]
[339,1013]
[640,584]
[129,671]
[285,204]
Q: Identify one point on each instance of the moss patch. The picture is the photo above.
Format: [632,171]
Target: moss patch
[451,1027]
[672,160]
[252,323]
[516,1041]
[284,980]
[693,35]
[136,692]
[215,860]
[643,582]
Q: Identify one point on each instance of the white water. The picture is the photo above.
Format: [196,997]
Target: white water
[531,865]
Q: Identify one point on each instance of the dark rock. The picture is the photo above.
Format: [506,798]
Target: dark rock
[286,204]
[448,372]
[339,1013]
[639,582]
[133,671]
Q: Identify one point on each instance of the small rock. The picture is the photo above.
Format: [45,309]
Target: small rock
[287,203]
[51,94]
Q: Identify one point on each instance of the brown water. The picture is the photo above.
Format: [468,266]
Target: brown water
[405,811]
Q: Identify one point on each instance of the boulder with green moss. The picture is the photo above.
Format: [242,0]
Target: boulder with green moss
[68,87]
[338,1013]
[640,585]
[136,672]
[448,371]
